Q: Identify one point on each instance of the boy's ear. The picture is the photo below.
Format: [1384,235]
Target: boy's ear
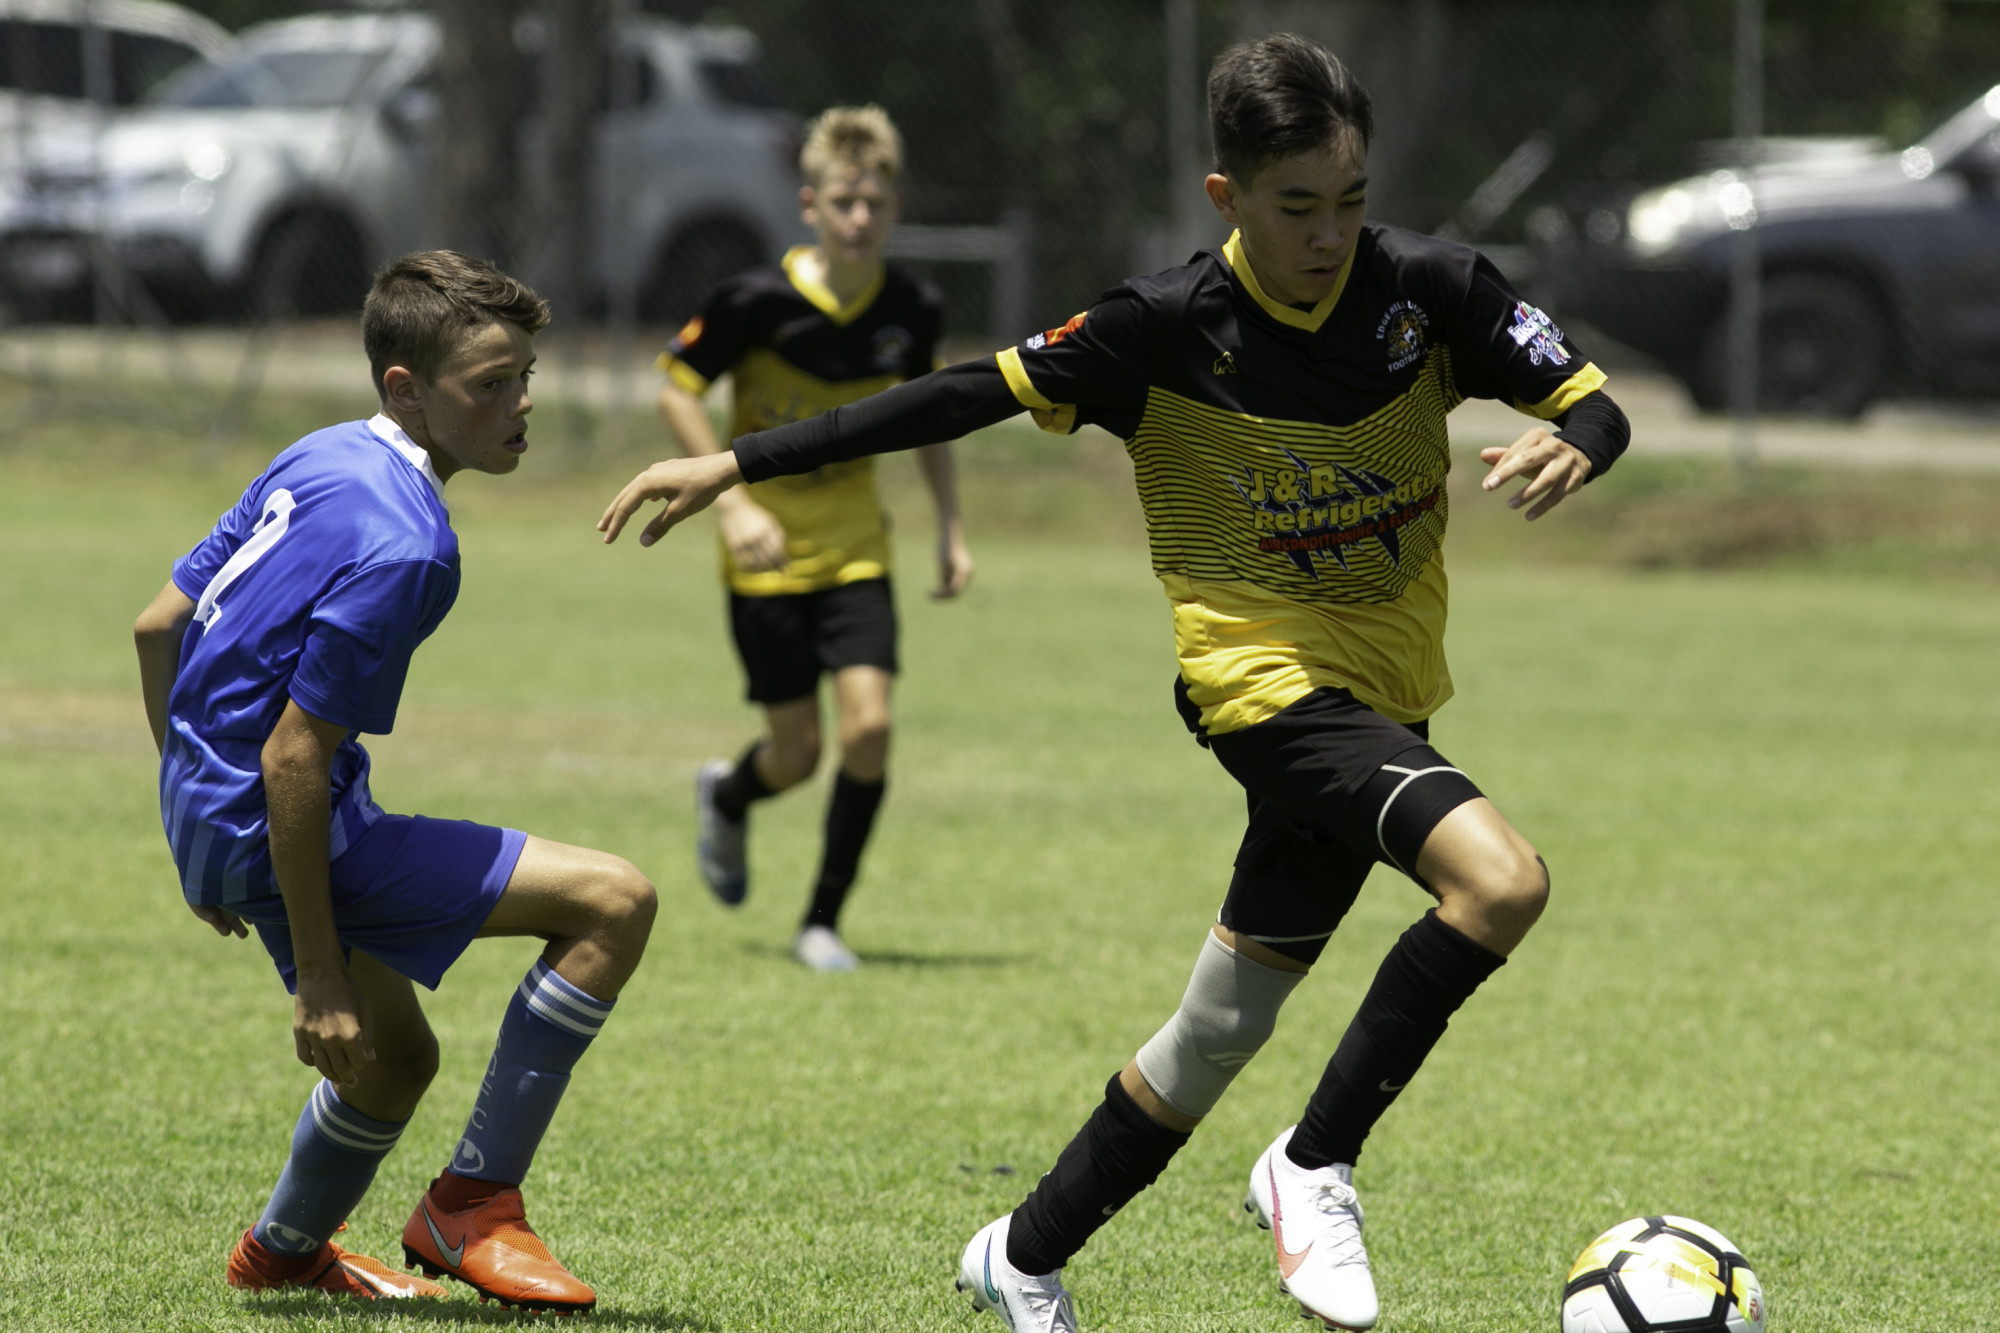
[1222,193]
[402,390]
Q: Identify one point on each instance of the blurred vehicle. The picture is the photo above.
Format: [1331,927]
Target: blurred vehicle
[1881,270]
[276,180]
[58,57]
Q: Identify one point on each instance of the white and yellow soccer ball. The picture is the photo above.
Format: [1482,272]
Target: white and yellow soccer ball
[1655,1274]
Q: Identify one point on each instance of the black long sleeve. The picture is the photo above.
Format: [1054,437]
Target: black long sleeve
[1598,428]
[942,405]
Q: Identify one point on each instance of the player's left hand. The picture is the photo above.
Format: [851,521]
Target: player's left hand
[954,564]
[1558,468]
[688,485]
[223,922]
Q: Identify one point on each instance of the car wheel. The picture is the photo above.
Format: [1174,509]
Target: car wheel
[692,264]
[1821,349]
[309,264]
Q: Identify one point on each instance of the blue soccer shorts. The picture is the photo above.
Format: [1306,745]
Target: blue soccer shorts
[411,892]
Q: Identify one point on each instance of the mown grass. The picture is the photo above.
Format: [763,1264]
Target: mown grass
[1762,995]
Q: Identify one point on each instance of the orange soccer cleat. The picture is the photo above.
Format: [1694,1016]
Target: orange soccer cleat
[491,1248]
[329,1269]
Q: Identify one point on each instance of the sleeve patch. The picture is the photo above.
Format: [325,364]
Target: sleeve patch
[1536,334]
[689,335]
[1054,336]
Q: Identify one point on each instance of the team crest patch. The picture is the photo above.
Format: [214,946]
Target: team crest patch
[1054,336]
[1324,512]
[1535,333]
[891,347]
[1403,332]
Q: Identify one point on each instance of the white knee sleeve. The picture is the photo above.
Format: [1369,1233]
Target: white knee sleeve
[1227,1015]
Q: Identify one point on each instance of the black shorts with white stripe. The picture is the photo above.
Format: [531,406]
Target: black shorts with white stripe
[1334,787]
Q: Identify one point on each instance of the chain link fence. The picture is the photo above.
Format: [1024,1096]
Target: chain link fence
[191,199]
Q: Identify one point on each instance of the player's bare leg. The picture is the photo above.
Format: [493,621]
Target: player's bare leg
[1489,883]
[596,912]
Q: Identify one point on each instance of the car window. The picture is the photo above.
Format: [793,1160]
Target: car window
[634,82]
[274,78]
[737,83]
[140,62]
[41,58]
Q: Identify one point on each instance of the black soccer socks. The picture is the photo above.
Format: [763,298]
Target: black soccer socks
[744,784]
[1119,1151]
[1430,972]
[850,818]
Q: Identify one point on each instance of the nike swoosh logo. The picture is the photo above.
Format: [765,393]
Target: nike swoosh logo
[1387,1086]
[451,1256]
[1288,1262]
[992,1292]
[382,1286]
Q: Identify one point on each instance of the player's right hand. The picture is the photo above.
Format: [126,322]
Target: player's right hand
[755,538]
[331,1030]
[688,485]
[223,923]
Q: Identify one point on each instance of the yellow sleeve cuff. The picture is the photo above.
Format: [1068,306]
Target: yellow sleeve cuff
[685,377]
[1586,381]
[1056,418]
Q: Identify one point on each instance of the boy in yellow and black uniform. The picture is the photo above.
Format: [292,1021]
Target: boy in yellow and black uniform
[1284,401]
[806,558]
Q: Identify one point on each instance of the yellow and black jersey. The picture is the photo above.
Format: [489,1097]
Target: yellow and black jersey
[1291,462]
[793,351]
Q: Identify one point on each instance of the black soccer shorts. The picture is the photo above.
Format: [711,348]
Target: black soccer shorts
[1334,787]
[787,642]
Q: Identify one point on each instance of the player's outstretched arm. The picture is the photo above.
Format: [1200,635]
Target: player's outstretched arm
[755,538]
[942,405]
[954,559]
[330,1023]
[688,485]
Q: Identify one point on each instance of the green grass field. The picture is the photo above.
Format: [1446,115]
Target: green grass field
[1762,995]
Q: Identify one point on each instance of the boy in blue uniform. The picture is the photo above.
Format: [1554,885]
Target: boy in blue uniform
[279,637]
[1284,399]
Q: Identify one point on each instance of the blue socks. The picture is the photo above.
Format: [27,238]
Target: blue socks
[335,1150]
[548,1027]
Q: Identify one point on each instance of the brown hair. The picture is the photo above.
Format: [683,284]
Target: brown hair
[1278,97]
[851,136]
[421,307]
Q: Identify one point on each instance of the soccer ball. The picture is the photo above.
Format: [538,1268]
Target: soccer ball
[1662,1275]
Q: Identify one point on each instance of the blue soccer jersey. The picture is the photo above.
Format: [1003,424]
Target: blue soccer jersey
[316,587]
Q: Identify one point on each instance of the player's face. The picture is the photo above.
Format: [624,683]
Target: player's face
[851,210]
[476,415]
[1299,217]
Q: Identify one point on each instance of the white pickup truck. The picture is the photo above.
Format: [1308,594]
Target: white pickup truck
[277,178]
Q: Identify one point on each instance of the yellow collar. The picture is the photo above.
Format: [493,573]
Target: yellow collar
[822,296]
[1309,320]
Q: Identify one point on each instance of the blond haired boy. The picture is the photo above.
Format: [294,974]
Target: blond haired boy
[806,559]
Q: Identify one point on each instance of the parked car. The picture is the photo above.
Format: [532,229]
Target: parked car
[53,52]
[1880,270]
[280,177]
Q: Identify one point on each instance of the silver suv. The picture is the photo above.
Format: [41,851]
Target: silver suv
[277,179]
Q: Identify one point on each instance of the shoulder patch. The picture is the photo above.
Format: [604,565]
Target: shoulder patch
[690,333]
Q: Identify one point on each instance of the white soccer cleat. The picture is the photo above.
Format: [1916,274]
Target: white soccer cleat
[820,949]
[1025,1304]
[1315,1223]
[719,840]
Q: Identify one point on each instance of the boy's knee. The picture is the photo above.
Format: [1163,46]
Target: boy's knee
[793,759]
[625,899]
[869,735]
